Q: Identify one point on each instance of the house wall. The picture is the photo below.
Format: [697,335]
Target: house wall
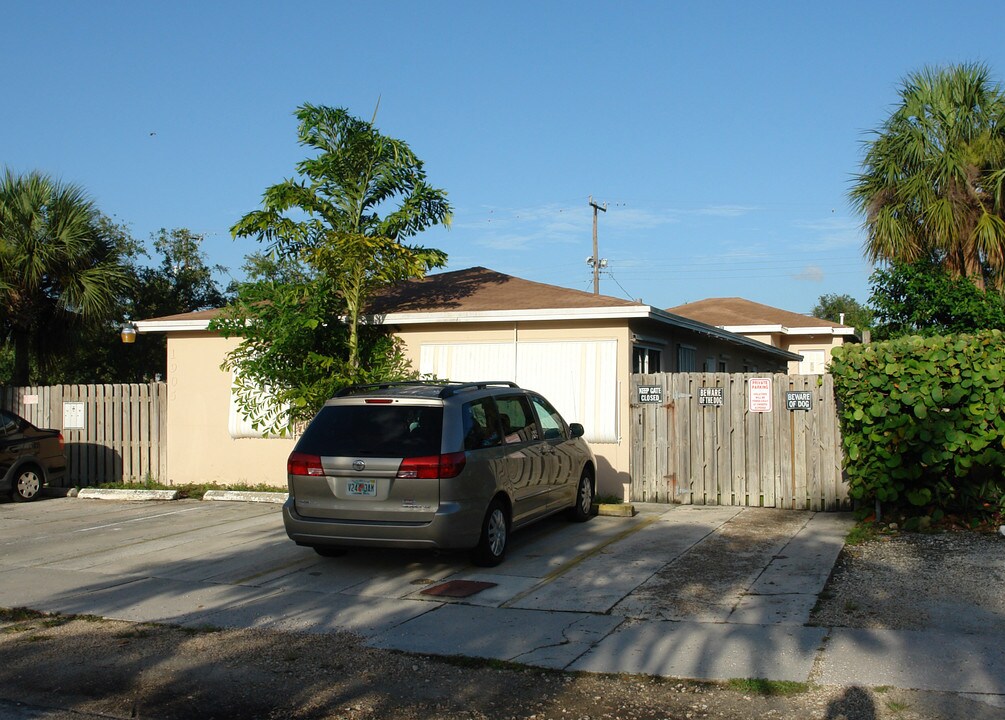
[799,344]
[200,448]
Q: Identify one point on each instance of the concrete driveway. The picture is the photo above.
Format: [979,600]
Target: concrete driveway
[691,592]
[575,596]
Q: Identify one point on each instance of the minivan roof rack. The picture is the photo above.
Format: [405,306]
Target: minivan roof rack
[447,388]
[453,389]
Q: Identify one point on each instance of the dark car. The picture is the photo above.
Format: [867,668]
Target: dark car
[30,457]
[435,465]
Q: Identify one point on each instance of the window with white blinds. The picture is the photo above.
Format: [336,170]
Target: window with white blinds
[578,377]
[240,425]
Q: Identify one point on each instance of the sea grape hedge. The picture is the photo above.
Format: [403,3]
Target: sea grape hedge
[923,420]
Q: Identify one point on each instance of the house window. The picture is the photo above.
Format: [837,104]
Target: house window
[710,364]
[685,358]
[645,360]
[722,366]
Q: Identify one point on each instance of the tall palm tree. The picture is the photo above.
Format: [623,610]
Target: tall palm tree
[932,179]
[361,196]
[56,267]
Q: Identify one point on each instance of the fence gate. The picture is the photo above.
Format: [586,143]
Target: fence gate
[736,439]
[112,432]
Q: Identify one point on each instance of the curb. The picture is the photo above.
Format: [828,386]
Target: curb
[245,496]
[615,509]
[109,494]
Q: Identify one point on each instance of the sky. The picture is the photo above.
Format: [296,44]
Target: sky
[722,137]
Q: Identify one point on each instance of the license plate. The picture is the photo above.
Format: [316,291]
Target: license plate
[361,487]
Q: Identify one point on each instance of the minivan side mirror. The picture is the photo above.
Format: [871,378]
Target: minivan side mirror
[577,430]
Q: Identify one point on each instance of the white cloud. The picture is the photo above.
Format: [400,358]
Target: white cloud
[810,273]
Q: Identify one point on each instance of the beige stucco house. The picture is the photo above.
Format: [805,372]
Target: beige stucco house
[810,337]
[578,349]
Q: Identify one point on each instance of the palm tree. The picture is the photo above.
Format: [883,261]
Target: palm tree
[360,197]
[56,267]
[932,180]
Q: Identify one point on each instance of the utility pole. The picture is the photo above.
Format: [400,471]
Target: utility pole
[596,262]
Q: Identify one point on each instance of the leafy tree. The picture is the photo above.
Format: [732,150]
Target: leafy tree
[59,272]
[181,282]
[922,298]
[832,307]
[932,179]
[334,237]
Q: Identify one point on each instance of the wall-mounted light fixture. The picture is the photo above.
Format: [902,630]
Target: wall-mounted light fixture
[128,333]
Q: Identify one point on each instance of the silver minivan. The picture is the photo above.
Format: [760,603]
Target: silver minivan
[434,465]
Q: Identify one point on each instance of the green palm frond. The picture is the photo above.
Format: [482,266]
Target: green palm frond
[933,178]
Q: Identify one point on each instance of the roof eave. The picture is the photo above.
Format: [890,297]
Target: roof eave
[550,314]
[168,326]
[784,330]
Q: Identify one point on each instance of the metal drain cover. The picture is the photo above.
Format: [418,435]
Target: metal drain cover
[457,588]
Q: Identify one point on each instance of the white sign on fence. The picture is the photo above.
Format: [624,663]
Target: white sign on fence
[73,416]
[759,394]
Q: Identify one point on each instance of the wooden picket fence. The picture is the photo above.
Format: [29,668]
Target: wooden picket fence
[696,440]
[113,433]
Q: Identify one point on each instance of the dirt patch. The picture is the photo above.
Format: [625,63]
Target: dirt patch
[911,581]
[705,583]
[109,669]
[121,670]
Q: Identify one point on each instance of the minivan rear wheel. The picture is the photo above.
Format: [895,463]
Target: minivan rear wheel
[491,548]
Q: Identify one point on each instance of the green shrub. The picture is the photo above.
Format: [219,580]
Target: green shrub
[923,421]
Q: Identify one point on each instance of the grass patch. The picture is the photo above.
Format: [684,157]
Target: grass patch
[768,688]
[194,491]
[897,707]
[197,629]
[21,614]
[861,533]
[608,500]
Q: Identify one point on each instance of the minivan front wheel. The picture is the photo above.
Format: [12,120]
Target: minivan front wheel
[491,548]
[583,509]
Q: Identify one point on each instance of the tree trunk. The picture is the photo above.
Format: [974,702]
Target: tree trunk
[21,344]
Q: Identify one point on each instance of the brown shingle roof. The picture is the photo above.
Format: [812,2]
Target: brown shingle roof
[470,290]
[732,312]
[480,289]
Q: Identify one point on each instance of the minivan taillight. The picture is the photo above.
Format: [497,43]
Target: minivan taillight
[304,464]
[62,442]
[432,467]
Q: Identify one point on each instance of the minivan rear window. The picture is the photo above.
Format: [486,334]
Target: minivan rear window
[374,431]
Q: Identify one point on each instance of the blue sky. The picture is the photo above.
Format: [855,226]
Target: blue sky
[722,135]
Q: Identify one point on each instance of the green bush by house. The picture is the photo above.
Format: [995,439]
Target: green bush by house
[923,421]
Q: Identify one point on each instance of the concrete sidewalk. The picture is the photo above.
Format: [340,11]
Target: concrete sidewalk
[562,600]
